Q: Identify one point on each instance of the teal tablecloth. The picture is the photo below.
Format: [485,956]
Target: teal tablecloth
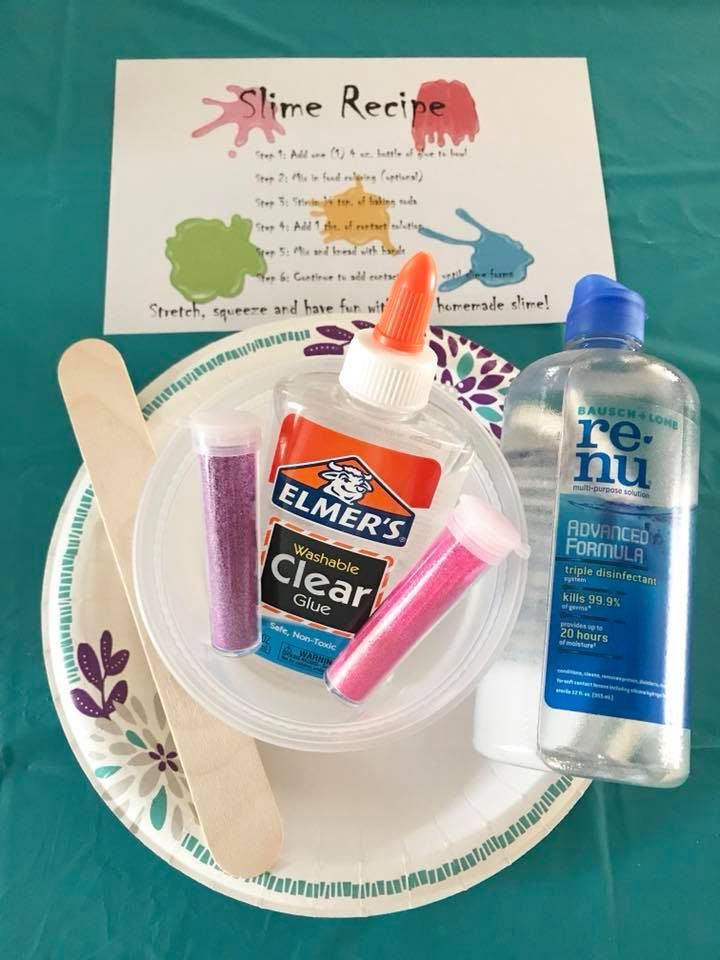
[630,873]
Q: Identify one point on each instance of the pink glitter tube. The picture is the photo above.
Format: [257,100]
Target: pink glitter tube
[475,537]
[227,449]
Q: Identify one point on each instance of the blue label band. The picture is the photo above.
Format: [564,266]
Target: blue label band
[299,646]
[616,631]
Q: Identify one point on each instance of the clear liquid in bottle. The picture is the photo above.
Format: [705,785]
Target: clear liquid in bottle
[603,442]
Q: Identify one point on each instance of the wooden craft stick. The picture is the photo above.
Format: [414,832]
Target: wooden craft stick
[230,789]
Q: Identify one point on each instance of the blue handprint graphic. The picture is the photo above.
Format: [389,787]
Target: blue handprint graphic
[496,260]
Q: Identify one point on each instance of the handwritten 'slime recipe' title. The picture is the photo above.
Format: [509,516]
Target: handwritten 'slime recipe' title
[262,103]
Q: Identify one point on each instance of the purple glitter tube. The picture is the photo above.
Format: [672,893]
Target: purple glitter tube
[227,448]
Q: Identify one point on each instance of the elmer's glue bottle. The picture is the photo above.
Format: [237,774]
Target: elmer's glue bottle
[360,479]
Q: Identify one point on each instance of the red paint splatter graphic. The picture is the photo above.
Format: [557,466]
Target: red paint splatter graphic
[249,109]
[458,120]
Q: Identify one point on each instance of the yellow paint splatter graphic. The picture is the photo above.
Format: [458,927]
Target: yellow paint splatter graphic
[356,216]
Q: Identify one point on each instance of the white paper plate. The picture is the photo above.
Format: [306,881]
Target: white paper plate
[384,830]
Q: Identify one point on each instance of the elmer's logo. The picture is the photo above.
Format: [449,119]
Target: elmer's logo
[344,494]
[346,482]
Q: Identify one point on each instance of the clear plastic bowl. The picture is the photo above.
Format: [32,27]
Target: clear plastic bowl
[281,706]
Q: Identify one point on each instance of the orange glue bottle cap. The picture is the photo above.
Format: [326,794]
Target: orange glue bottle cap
[404,320]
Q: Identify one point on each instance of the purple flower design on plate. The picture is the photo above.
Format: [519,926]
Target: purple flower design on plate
[480,386]
[163,759]
[136,759]
[458,347]
[337,338]
[96,671]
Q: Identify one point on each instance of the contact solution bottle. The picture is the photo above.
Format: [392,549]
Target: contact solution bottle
[603,442]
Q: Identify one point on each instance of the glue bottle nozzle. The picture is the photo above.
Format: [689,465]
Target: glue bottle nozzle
[404,320]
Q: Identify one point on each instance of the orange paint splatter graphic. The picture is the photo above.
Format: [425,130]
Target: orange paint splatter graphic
[248,111]
[356,216]
[458,120]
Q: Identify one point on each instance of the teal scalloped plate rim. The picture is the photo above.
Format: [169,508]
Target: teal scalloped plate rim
[113,719]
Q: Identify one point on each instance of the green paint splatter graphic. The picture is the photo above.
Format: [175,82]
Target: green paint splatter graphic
[211,259]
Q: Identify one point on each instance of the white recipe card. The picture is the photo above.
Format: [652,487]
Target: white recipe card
[248,190]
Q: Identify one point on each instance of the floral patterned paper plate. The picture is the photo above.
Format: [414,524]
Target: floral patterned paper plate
[384,830]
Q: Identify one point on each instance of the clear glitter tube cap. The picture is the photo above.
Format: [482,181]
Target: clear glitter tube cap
[228,433]
[485,531]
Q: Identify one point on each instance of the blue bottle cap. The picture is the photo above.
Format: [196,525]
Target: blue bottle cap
[603,307]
